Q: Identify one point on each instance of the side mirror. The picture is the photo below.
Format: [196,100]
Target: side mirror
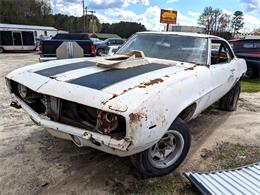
[108,43]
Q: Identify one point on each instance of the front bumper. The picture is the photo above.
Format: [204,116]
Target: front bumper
[87,138]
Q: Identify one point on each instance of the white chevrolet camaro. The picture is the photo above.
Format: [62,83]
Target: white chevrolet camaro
[137,102]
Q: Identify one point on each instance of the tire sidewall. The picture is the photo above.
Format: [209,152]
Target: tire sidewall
[236,96]
[229,101]
[250,72]
[180,126]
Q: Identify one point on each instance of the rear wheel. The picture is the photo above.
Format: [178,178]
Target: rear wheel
[229,101]
[167,154]
[250,73]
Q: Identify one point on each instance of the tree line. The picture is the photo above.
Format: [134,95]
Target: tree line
[39,12]
[216,22]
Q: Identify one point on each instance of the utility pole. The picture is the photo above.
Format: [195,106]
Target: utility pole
[92,19]
[84,18]
[86,11]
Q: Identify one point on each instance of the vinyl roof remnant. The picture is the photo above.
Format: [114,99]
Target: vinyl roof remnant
[243,180]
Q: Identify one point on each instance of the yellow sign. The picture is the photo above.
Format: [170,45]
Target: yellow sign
[168,16]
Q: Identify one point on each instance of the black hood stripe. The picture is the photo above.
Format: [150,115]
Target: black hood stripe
[109,77]
[64,68]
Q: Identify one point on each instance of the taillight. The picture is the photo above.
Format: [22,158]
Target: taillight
[93,49]
[40,48]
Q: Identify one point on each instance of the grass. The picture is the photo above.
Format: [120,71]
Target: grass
[227,155]
[250,85]
[174,183]
[224,156]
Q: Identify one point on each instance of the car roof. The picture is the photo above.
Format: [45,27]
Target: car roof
[243,40]
[182,34]
[114,39]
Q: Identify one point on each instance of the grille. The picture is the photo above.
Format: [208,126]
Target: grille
[70,113]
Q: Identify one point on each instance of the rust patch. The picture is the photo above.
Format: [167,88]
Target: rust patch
[151,82]
[190,68]
[104,102]
[115,95]
[141,85]
[136,117]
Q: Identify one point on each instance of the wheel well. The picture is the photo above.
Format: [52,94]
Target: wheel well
[187,113]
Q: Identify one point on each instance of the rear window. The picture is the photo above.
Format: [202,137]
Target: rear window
[251,45]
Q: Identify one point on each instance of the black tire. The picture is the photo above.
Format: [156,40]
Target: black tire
[142,161]
[229,101]
[250,72]
[100,52]
[1,50]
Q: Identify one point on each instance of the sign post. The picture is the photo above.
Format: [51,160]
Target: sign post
[168,17]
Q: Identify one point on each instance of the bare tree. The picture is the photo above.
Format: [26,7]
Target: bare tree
[224,23]
[217,13]
[206,19]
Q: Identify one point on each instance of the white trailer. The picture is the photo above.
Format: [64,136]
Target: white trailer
[14,37]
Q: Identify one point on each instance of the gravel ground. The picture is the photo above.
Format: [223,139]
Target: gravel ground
[34,162]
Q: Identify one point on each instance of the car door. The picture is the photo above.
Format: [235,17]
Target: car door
[222,69]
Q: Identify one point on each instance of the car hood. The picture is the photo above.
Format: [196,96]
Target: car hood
[80,80]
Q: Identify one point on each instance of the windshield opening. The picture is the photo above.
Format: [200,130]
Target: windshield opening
[169,47]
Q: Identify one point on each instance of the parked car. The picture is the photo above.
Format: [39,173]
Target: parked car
[249,49]
[95,40]
[17,41]
[48,47]
[110,50]
[136,103]
[102,47]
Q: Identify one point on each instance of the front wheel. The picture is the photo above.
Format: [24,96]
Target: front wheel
[1,50]
[250,72]
[167,154]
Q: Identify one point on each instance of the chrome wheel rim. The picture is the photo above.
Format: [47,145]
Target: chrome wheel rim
[167,150]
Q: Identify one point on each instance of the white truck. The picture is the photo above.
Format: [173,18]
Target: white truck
[137,102]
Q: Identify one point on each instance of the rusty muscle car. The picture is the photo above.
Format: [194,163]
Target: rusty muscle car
[136,103]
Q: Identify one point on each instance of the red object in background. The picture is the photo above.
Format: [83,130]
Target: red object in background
[40,48]
[93,49]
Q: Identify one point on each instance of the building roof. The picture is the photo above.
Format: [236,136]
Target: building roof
[27,27]
[105,35]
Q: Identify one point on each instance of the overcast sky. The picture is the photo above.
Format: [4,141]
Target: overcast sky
[147,12]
